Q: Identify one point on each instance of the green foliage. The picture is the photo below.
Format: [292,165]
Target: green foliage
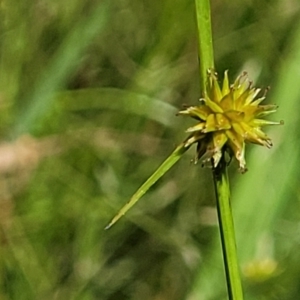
[88,96]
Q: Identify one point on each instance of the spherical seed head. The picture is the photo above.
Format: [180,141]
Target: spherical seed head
[228,117]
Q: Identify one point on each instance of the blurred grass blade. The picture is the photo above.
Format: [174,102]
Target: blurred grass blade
[64,63]
[120,100]
[162,169]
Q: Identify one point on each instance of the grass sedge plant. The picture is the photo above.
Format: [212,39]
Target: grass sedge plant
[229,116]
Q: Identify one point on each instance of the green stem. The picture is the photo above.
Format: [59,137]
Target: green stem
[222,189]
[205,48]
[206,61]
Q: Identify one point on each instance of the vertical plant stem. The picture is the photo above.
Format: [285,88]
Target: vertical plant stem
[205,48]
[227,233]
[206,61]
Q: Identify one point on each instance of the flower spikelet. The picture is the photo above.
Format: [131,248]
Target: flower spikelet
[228,117]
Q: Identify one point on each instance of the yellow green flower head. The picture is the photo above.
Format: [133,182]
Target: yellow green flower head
[228,117]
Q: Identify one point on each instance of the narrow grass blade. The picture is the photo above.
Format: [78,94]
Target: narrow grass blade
[121,100]
[162,169]
[64,62]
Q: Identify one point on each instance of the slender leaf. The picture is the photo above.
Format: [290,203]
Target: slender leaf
[162,169]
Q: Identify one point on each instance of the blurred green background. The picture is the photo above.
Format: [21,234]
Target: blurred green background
[88,96]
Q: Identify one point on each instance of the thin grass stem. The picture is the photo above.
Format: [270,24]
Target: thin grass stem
[227,232]
[221,182]
[205,43]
